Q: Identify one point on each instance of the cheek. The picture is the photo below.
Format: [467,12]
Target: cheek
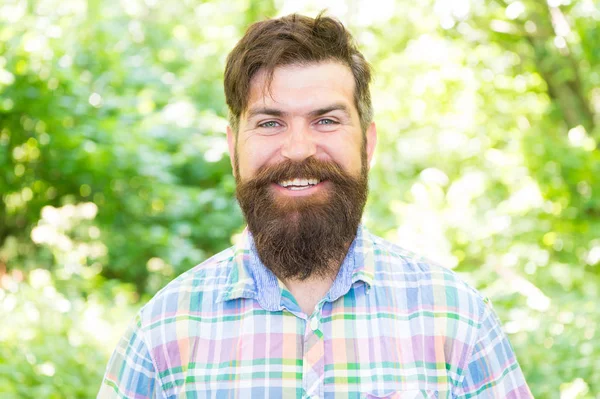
[348,156]
[252,156]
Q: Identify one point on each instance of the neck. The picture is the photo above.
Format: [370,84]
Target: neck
[308,292]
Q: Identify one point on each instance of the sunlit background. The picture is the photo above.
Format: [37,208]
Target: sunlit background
[115,176]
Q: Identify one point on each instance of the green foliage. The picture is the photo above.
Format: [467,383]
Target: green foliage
[114,174]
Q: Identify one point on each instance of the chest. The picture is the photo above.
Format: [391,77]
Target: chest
[339,353]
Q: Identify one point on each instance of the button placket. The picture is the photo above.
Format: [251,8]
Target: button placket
[314,323]
[314,358]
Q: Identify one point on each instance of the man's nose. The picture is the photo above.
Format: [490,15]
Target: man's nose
[299,145]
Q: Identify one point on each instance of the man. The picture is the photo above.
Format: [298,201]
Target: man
[309,304]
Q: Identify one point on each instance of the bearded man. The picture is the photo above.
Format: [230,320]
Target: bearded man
[309,304]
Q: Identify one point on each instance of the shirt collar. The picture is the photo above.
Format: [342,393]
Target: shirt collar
[249,278]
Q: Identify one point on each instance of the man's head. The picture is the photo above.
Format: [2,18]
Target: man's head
[294,40]
[301,139]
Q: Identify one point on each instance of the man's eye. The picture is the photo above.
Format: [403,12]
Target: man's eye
[326,121]
[269,124]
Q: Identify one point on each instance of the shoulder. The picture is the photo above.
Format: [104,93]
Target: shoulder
[424,282]
[191,291]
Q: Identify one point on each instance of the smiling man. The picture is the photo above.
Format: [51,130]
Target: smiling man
[309,303]
[301,161]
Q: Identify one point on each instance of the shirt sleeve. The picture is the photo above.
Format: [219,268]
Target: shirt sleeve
[492,370]
[130,372]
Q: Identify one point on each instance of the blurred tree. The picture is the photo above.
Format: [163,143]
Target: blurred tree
[114,174]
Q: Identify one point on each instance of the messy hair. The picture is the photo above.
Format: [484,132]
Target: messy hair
[294,40]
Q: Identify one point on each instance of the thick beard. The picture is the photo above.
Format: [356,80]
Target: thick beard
[302,237]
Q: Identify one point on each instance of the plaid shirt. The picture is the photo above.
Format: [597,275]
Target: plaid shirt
[392,325]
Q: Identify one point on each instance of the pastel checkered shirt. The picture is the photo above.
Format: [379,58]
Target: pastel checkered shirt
[391,326]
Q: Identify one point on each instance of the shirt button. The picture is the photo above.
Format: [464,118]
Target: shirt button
[314,324]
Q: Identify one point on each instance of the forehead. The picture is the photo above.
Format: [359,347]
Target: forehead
[303,87]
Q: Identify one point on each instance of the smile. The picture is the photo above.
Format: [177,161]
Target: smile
[299,184]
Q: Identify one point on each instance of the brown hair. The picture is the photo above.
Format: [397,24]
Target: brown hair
[294,39]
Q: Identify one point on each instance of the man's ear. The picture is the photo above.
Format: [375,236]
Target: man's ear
[371,137]
[231,146]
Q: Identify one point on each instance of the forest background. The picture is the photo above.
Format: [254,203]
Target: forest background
[114,175]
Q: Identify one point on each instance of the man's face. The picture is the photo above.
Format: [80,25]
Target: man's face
[300,162]
[307,112]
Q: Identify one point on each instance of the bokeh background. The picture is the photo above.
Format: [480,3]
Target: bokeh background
[114,175]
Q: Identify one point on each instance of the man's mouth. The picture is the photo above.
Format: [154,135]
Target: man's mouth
[299,184]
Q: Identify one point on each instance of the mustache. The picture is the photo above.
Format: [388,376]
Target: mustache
[308,168]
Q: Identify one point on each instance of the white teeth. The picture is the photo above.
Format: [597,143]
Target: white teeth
[299,184]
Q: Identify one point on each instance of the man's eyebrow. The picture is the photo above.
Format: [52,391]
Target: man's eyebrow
[252,112]
[331,108]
